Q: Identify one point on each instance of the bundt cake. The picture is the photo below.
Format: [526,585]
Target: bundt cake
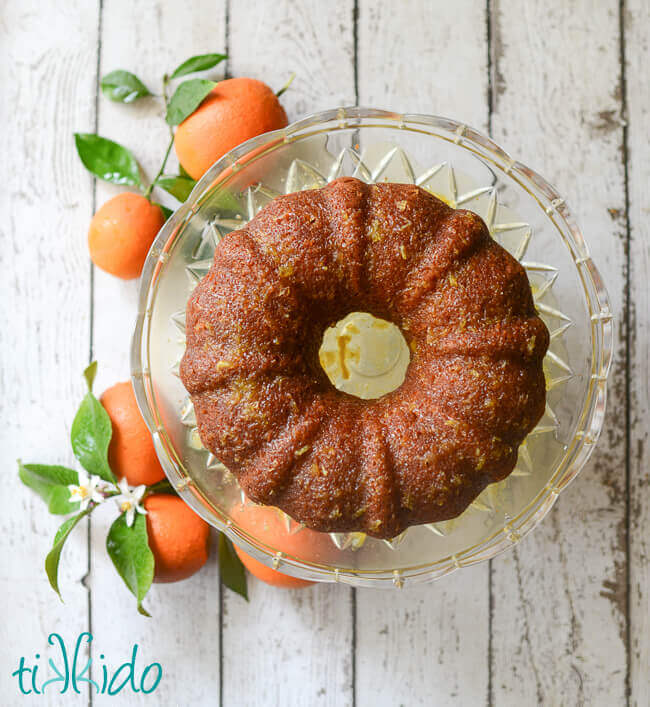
[473,390]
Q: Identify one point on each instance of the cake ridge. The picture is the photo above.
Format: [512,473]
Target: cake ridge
[437,274]
[473,390]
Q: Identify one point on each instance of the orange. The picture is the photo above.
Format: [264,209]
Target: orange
[233,112]
[131,452]
[178,537]
[267,525]
[122,232]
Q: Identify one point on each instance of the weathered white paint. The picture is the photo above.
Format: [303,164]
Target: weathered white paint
[47,71]
[422,57]
[637,55]
[559,598]
[287,647]
[272,40]
[299,650]
[183,635]
[427,644]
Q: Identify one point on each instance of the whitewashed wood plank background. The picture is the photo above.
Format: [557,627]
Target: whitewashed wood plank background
[559,598]
[564,618]
[49,88]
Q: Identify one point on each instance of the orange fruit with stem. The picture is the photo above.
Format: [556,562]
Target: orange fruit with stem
[121,233]
[268,525]
[178,538]
[131,453]
[233,112]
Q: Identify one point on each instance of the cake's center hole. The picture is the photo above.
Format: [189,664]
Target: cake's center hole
[364,356]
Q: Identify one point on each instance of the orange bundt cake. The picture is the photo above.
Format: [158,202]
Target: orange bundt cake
[473,390]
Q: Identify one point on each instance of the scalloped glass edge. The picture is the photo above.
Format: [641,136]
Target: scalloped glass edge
[590,421]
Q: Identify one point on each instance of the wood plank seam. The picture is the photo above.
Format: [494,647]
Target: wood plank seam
[226,51]
[226,75]
[88,584]
[627,303]
[490,108]
[353,592]
[635,18]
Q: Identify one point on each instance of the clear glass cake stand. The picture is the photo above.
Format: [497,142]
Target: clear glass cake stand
[467,169]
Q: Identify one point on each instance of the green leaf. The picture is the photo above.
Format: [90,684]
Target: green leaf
[166,212]
[51,484]
[186,99]
[226,202]
[60,504]
[131,555]
[286,85]
[123,86]
[179,187]
[198,63]
[90,373]
[232,571]
[183,172]
[90,436]
[107,159]
[162,487]
[54,555]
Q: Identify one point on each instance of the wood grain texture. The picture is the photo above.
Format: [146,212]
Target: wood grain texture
[271,40]
[410,58]
[47,71]
[150,38]
[559,623]
[287,647]
[426,644]
[637,54]
[300,650]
